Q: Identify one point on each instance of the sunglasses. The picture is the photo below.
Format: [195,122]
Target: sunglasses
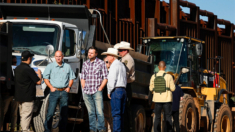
[106,62]
[120,50]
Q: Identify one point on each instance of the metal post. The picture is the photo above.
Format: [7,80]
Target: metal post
[219,74]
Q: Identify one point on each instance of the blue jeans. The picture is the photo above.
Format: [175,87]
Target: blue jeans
[94,104]
[118,102]
[62,98]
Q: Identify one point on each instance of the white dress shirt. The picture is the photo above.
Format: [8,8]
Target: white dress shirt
[117,76]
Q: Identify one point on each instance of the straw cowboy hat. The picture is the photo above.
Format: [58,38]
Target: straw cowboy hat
[116,46]
[124,45]
[111,51]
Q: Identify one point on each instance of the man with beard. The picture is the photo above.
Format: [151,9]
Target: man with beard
[93,80]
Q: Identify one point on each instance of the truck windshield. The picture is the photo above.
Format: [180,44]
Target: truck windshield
[35,37]
[172,52]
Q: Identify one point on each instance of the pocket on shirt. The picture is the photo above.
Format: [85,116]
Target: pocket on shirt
[98,73]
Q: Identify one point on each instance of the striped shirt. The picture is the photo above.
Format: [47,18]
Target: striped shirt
[93,73]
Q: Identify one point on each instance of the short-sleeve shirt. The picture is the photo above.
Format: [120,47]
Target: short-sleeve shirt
[176,98]
[25,83]
[93,73]
[130,67]
[59,76]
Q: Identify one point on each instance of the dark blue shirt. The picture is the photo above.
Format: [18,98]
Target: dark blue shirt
[176,98]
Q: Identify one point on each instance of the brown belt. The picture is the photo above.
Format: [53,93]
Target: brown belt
[60,89]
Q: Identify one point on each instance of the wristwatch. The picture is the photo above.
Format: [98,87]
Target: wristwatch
[69,87]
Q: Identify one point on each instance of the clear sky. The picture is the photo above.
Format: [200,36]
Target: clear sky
[224,9]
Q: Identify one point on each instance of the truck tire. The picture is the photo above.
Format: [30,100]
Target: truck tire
[139,118]
[40,117]
[187,114]
[223,119]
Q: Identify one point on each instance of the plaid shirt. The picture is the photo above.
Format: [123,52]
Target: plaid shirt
[93,73]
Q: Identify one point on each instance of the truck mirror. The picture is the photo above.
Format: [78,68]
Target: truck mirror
[185,70]
[199,48]
[139,48]
[49,49]
[78,53]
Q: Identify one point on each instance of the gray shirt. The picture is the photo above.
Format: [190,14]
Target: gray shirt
[117,76]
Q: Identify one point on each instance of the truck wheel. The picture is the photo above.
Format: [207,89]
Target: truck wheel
[39,119]
[139,118]
[223,119]
[187,114]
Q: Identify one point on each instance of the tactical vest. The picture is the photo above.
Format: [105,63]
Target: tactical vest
[160,84]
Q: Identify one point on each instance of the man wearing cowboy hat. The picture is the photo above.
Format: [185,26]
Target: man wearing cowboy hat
[116,88]
[123,50]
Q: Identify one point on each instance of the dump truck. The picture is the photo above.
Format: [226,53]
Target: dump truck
[33,28]
[206,103]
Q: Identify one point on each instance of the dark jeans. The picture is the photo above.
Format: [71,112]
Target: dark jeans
[167,114]
[175,115]
[62,98]
[118,102]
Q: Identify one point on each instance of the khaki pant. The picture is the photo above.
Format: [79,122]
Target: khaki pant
[26,112]
[6,101]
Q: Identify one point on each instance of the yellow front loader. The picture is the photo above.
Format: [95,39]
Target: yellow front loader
[205,105]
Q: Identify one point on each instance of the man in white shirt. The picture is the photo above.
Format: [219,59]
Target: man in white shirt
[116,88]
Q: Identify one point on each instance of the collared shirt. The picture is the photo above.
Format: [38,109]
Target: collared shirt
[117,76]
[25,83]
[130,64]
[59,76]
[165,96]
[93,73]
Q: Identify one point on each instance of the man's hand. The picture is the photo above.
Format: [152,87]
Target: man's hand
[38,72]
[67,90]
[99,89]
[53,89]
[181,98]
[109,96]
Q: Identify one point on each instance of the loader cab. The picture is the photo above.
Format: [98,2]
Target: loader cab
[177,52]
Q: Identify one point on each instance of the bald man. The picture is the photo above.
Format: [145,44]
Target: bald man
[162,100]
[58,76]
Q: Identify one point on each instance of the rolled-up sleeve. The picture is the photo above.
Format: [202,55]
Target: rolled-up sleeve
[104,71]
[83,75]
[71,74]
[47,72]
[151,85]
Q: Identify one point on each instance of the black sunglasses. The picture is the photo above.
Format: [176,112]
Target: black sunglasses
[120,50]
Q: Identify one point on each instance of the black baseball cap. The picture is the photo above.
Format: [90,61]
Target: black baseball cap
[25,55]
